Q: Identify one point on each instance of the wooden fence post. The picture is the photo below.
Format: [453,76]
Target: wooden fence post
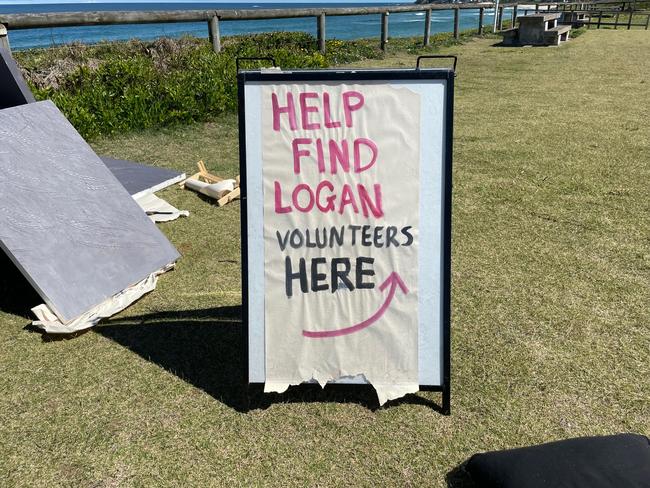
[215,37]
[456,22]
[600,18]
[616,21]
[427,27]
[481,11]
[647,22]
[321,33]
[4,37]
[384,30]
[629,21]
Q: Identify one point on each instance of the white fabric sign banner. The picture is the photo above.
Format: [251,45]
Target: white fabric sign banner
[341,169]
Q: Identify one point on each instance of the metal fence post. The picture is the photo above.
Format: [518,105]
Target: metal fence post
[514,15]
[321,33]
[427,27]
[384,30]
[215,37]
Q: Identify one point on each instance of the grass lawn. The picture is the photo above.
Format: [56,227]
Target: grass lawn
[550,306]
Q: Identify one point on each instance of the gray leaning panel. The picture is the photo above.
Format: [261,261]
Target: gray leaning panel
[13,89]
[66,222]
[137,178]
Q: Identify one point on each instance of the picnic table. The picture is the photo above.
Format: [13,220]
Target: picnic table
[540,29]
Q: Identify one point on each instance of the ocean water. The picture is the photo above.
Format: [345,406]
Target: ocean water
[348,27]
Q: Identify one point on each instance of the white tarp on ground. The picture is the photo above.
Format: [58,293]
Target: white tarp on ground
[159,210]
[321,330]
[49,322]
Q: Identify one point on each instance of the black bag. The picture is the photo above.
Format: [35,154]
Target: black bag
[617,461]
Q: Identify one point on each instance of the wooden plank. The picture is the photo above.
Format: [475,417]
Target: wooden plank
[233,195]
[612,23]
[65,19]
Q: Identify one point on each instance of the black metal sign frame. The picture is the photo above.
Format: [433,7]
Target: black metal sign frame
[329,76]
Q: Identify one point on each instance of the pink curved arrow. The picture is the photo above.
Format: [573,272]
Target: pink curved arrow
[393,281]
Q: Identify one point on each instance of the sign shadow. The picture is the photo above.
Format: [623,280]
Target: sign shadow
[205,348]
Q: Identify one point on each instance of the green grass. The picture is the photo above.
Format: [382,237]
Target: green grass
[551,329]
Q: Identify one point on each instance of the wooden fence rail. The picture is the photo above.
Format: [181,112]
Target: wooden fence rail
[595,18]
[9,22]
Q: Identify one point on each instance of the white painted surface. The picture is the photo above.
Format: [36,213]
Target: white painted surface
[431,242]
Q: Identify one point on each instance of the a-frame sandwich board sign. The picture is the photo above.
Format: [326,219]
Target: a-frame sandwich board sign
[346,227]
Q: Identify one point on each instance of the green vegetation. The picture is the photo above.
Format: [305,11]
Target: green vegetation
[112,88]
[550,320]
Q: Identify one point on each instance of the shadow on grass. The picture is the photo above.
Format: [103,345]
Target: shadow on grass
[205,348]
[17,296]
[459,477]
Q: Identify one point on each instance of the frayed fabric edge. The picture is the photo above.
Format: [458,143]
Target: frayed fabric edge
[50,323]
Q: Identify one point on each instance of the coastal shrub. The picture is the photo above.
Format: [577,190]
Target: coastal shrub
[111,88]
